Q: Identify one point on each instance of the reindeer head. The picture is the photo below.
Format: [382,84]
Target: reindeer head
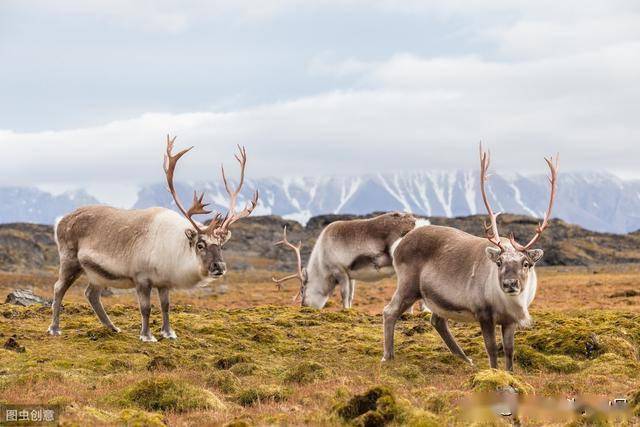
[514,261]
[207,241]
[403,222]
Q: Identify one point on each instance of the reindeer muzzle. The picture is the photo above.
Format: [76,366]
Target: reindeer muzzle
[217,269]
[511,286]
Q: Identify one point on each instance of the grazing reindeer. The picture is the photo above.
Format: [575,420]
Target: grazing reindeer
[145,248]
[462,277]
[347,251]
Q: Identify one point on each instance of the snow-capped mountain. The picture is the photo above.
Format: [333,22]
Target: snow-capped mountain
[594,200]
[597,201]
[28,204]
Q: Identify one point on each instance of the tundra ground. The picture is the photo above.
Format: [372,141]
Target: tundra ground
[247,354]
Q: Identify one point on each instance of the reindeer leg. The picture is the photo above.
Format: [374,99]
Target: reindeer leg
[488,327]
[345,289]
[508,332]
[93,296]
[398,305]
[166,331]
[440,324]
[143,289]
[69,271]
[352,291]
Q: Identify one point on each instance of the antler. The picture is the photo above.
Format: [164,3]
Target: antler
[491,229]
[197,206]
[553,181]
[233,216]
[300,273]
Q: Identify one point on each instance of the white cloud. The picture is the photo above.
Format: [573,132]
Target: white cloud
[561,77]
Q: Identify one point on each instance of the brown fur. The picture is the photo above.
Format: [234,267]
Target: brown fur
[114,231]
[459,276]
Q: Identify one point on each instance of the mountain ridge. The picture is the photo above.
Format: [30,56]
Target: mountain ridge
[598,201]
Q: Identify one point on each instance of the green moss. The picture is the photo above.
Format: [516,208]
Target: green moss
[613,365]
[491,380]
[532,360]
[225,381]
[305,372]
[420,418]
[161,363]
[229,361]
[376,406]
[163,394]
[253,395]
[137,418]
[244,369]
[437,403]
[120,365]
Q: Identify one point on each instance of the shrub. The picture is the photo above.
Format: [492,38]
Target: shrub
[162,394]
[305,372]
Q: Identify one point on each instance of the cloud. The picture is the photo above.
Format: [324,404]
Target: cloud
[543,77]
[410,113]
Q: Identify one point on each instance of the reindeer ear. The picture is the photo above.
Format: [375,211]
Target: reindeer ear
[226,238]
[493,253]
[305,276]
[191,235]
[535,254]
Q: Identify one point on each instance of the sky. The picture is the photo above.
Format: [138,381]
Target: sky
[89,89]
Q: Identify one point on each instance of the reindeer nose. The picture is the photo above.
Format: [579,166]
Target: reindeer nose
[510,285]
[218,268]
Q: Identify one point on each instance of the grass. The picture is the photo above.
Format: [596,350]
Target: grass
[279,364]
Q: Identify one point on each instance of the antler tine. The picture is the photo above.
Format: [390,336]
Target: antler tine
[553,182]
[491,229]
[296,248]
[197,207]
[169,166]
[233,216]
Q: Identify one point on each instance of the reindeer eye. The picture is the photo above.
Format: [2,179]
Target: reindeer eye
[526,264]
[201,246]
[499,263]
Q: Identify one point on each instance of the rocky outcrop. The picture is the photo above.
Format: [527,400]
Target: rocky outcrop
[28,247]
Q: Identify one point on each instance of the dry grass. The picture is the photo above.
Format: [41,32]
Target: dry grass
[250,354]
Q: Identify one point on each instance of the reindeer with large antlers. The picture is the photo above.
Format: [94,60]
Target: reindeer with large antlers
[466,278]
[346,251]
[145,249]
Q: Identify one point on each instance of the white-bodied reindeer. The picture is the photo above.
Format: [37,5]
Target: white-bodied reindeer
[466,278]
[346,251]
[145,249]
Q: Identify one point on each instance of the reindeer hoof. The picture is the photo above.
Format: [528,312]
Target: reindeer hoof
[114,328]
[470,361]
[148,338]
[170,335]
[386,359]
[53,331]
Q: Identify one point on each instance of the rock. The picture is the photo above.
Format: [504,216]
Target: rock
[13,345]
[626,293]
[25,298]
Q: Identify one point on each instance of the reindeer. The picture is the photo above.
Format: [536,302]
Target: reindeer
[466,278]
[347,251]
[145,249]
